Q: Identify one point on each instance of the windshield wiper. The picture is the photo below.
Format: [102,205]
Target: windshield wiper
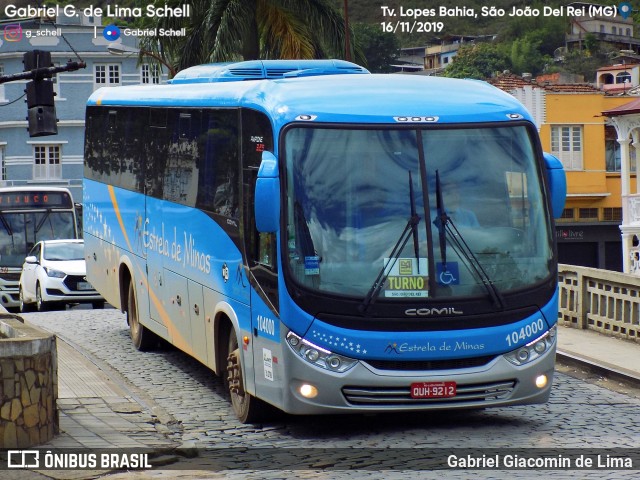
[414,226]
[446,227]
[41,222]
[411,227]
[6,225]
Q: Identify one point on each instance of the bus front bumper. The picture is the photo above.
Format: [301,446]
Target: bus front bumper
[364,388]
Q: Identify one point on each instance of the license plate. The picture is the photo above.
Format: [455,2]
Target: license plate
[433,390]
[84,286]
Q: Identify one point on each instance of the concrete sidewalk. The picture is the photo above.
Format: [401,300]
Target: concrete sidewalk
[99,411]
[608,355]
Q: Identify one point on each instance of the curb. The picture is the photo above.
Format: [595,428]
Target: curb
[572,360]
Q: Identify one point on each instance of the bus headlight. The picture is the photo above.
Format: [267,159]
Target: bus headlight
[532,350]
[319,356]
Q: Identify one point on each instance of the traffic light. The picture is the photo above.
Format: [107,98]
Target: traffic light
[40,95]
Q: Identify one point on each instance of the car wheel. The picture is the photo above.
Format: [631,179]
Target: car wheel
[41,305]
[97,305]
[24,307]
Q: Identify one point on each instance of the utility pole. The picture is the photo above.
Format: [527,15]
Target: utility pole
[40,95]
[347,45]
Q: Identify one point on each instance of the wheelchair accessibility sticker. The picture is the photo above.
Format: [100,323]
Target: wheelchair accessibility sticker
[448,275]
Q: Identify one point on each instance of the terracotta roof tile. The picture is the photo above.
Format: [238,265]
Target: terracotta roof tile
[625,109]
[509,81]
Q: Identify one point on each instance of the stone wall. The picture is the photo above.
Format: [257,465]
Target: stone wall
[28,384]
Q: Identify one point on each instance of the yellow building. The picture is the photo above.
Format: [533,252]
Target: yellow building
[572,127]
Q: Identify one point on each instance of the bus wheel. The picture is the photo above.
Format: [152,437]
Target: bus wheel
[143,338]
[247,408]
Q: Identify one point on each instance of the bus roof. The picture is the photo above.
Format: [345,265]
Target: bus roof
[348,98]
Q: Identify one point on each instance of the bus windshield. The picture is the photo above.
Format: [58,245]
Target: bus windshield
[364,206]
[21,230]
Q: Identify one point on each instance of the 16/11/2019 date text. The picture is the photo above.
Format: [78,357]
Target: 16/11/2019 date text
[412,27]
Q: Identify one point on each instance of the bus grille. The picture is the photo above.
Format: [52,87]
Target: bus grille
[392,396]
[430,364]
[10,277]
[246,72]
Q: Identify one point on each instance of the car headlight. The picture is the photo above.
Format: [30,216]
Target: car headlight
[52,272]
[533,350]
[319,356]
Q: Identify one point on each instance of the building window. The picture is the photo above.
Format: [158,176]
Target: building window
[628,32]
[612,214]
[612,151]
[623,77]
[566,144]
[588,213]
[602,29]
[3,165]
[614,30]
[567,214]
[107,75]
[46,162]
[2,84]
[150,74]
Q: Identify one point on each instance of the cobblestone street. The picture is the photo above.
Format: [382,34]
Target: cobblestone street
[194,412]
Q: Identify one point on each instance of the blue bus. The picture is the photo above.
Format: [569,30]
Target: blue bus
[329,240]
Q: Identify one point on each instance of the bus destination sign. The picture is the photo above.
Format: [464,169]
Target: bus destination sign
[26,199]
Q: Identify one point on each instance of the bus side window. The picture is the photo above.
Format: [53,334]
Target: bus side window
[267,249]
[260,248]
[218,182]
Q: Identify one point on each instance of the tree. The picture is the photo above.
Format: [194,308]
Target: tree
[479,61]
[526,56]
[230,30]
[380,49]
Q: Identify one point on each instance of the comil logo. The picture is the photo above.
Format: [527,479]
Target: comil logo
[13,32]
[23,459]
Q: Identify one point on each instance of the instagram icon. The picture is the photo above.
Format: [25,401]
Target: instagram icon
[13,32]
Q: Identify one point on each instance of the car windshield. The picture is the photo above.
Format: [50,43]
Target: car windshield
[364,208]
[63,251]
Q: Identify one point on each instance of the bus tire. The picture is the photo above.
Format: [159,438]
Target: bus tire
[247,408]
[143,338]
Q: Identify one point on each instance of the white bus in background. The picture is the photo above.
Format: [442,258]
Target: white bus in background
[28,215]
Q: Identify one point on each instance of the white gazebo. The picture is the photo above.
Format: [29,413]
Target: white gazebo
[626,120]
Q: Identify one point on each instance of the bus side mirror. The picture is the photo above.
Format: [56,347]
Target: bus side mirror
[267,195]
[557,184]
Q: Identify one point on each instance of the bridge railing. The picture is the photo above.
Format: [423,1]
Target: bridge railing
[601,300]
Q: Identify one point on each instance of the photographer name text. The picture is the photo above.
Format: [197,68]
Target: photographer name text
[109,11]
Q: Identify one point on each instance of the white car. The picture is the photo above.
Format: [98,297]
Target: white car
[54,274]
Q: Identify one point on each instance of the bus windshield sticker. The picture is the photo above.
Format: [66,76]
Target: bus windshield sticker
[448,274]
[407,278]
[312,265]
